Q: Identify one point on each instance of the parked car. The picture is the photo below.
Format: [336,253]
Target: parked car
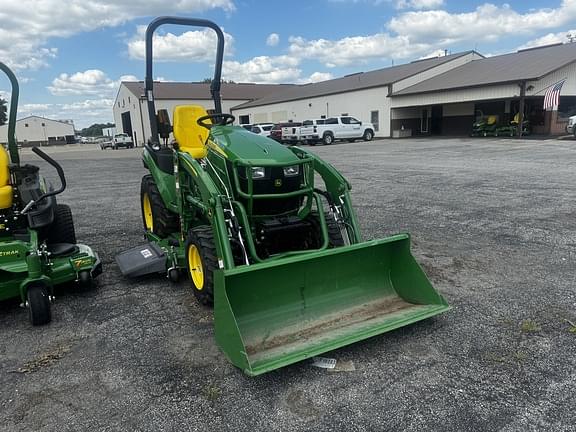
[337,128]
[247,126]
[119,140]
[570,126]
[295,134]
[276,131]
[262,128]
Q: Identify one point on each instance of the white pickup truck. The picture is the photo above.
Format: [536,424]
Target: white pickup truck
[291,133]
[336,128]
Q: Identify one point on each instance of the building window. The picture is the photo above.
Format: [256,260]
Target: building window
[43,124]
[128,99]
[25,124]
[374,119]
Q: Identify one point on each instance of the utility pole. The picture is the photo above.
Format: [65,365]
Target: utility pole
[521,107]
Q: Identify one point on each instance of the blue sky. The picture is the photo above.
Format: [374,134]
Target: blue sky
[70,56]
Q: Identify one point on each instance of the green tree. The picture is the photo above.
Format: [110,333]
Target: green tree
[95,130]
[223,81]
[3,108]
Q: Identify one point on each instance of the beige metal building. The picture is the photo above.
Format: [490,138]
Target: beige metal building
[438,96]
[130,109]
[34,130]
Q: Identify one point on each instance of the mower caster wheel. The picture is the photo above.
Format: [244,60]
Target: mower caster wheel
[39,305]
[85,280]
[174,275]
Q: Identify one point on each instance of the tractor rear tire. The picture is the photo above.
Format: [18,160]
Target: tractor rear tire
[155,216]
[61,230]
[38,305]
[202,261]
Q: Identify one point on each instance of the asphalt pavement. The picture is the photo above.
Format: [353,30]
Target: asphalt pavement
[493,225]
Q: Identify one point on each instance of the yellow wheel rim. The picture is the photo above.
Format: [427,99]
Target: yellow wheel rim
[147,209]
[195,267]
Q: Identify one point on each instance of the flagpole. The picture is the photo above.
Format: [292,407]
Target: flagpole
[521,107]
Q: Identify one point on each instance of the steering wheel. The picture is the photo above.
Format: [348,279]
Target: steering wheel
[216,119]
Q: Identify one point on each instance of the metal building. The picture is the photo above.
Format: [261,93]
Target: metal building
[438,96]
[130,110]
[35,131]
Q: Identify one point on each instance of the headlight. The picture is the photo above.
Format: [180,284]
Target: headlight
[258,172]
[291,171]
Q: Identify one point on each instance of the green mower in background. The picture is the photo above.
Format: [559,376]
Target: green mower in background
[278,253]
[38,247]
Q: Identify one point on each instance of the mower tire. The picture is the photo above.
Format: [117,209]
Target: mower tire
[61,230]
[202,260]
[155,216]
[38,305]
[85,280]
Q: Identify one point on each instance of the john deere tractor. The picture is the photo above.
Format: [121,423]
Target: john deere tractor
[38,247]
[268,235]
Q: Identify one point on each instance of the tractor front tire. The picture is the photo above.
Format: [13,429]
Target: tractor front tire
[61,230]
[202,260]
[155,216]
[38,305]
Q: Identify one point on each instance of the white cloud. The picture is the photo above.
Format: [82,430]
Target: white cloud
[27,25]
[192,46]
[273,39]
[549,39]
[263,69]
[351,50]
[419,4]
[487,22]
[418,33]
[88,83]
[316,77]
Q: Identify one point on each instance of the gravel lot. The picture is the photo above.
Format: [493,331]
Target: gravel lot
[492,223]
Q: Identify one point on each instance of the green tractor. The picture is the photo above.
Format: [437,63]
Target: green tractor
[38,247]
[267,235]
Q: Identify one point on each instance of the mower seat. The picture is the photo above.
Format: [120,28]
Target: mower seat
[189,134]
[6,192]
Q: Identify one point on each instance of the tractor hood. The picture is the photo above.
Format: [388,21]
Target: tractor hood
[238,143]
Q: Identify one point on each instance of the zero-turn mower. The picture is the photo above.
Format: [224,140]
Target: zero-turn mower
[38,247]
[268,235]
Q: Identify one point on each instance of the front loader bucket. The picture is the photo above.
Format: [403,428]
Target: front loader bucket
[270,315]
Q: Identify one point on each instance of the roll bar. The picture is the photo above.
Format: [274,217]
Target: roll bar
[12,144]
[149,80]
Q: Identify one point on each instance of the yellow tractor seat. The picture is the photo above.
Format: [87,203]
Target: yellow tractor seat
[6,192]
[492,120]
[191,137]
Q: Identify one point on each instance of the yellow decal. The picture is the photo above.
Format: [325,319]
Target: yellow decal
[278,182]
[83,262]
[2,226]
[216,148]
[8,253]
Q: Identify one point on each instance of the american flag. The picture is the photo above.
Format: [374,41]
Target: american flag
[552,95]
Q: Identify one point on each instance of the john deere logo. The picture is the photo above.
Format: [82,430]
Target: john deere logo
[278,182]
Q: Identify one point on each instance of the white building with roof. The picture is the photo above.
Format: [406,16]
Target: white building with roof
[35,130]
[130,107]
